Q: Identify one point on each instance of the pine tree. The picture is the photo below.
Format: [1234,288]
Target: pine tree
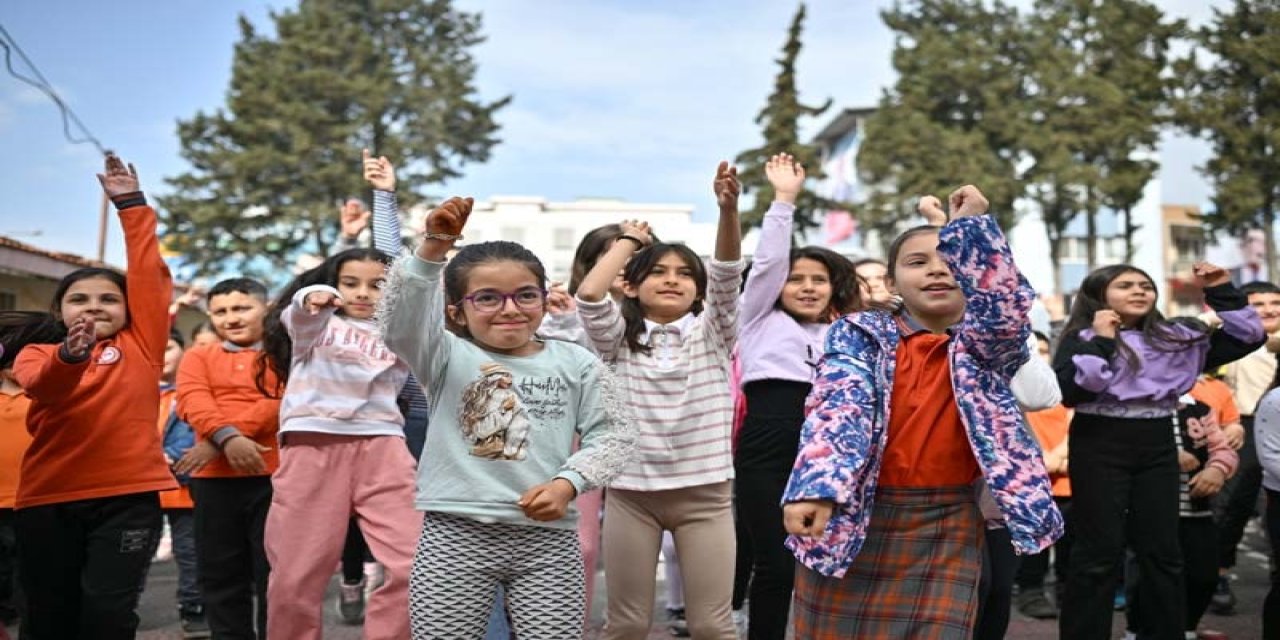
[1233,100]
[269,169]
[1099,98]
[954,115]
[780,118]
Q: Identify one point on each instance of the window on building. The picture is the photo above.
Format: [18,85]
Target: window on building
[564,238]
[1188,245]
[8,301]
[513,234]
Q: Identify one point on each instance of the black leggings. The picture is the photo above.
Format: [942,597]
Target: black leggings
[995,591]
[354,554]
[766,452]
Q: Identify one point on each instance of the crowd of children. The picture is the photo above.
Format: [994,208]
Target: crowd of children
[871,449]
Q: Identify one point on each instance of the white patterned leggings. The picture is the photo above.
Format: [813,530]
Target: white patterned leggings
[460,562]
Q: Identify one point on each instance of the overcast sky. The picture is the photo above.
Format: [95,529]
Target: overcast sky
[612,98]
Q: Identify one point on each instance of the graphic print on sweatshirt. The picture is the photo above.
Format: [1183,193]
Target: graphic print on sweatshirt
[494,419]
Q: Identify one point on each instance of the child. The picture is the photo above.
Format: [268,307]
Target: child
[671,343]
[907,411]
[178,438]
[88,516]
[14,440]
[1249,378]
[1123,367]
[1266,429]
[203,334]
[791,298]
[1050,427]
[342,439]
[497,477]
[219,396]
[1206,460]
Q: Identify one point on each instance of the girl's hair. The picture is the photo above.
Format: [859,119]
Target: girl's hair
[896,247]
[1157,332]
[590,249]
[866,261]
[457,272]
[845,296]
[176,336]
[277,346]
[638,269]
[21,328]
[204,327]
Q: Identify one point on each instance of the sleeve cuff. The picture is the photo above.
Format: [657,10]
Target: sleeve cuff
[579,483]
[424,268]
[1225,297]
[128,200]
[65,356]
[223,434]
[301,296]
[593,307]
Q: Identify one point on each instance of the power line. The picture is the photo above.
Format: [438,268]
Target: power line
[68,116]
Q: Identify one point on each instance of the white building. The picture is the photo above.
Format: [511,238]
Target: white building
[552,230]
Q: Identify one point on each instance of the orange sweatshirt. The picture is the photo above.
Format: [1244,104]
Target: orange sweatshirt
[179,498]
[216,390]
[93,423]
[14,441]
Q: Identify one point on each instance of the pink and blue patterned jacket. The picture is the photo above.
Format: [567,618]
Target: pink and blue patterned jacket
[844,435]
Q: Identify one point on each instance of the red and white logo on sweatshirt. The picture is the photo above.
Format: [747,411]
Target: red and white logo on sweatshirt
[109,355]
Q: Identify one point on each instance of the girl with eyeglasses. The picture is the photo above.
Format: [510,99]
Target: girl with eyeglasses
[499,471]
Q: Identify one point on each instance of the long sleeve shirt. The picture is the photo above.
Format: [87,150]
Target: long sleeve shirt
[501,424]
[773,345]
[217,393]
[93,421]
[1266,433]
[386,238]
[343,379]
[683,407]
[1097,379]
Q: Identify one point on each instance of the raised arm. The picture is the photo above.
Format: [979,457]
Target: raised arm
[729,232]
[381,175]
[772,260]
[150,285]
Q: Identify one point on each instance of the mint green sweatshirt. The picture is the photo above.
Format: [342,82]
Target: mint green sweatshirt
[501,424]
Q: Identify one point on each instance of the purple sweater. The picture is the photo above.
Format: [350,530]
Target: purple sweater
[772,345]
[1097,379]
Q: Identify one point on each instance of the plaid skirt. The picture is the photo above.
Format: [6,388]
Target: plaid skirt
[915,577]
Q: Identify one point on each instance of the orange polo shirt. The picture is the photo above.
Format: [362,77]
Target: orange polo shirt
[93,423]
[216,389]
[179,498]
[14,440]
[927,445]
[1050,426]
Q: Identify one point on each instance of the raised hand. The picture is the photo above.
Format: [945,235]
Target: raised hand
[726,186]
[355,218]
[559,302]
[637,229]
[1105,323]
[786,176]
[547,501]
[444,227]
[118,179]
[318,301]
[931,208]
[967,201]
[80,337]
[1209,275]
[379,172]
[807,518]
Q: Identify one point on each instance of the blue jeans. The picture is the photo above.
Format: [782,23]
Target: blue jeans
[182,531]
[499,629]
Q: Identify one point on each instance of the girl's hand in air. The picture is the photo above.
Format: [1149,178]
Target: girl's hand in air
[786,176]
[318,301]
[968,201]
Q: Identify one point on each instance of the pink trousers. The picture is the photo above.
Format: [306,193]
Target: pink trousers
[322,481]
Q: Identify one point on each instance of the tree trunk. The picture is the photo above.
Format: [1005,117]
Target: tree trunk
[1269,228]
[1129,230]
[1091,231]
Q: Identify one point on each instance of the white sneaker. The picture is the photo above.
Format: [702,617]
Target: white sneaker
[164,549]
[740,622]
[374,576]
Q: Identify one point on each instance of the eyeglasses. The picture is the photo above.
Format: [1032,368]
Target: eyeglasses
[491,301]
